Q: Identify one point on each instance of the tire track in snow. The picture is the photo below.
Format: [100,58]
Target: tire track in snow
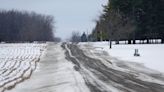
[92,82]
[107,79]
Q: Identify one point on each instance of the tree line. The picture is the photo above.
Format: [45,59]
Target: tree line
[18,26]
[77,37]
[130,20]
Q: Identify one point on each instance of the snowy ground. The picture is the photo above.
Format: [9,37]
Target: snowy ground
[17,62]
[152,55]
[102,75]
[55,74]
[86,67]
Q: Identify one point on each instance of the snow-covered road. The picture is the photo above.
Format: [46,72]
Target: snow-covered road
[101,75]
[69,67]
[54,74]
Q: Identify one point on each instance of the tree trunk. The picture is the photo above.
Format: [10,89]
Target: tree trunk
[125,41]
[162,40]
[134,41]
[117,42]
[110,44]
[148,41]
[140,41]
[129,41]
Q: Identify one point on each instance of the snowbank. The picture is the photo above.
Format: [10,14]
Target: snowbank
[151,54]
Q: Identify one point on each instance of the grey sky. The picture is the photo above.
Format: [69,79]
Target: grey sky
[70,15]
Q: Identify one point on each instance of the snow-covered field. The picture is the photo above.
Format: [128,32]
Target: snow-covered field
[17,62]
[55,74]
[151,55]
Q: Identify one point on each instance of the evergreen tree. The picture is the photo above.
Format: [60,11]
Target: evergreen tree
[132,19]
[84,37]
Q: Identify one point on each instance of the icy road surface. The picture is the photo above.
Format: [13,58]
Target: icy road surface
[76,68]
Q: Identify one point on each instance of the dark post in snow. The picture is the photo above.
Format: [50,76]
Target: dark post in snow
[110,45]
[136,53]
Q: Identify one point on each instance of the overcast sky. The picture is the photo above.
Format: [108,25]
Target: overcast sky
[70,15]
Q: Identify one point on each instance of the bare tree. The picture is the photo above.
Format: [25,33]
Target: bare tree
[75,37]
[57,39]
[24,26]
